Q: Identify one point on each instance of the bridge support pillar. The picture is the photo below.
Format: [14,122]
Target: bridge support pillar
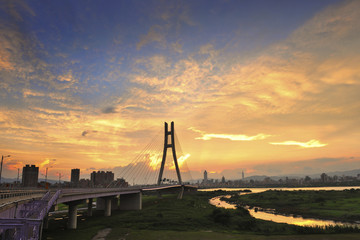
[115,203]
[131,201]
[107,211]
[89,209]
[100,203]
[72,222]
[181,193]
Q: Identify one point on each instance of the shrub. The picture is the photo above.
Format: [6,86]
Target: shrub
[221,216]
[242,211]
[246,224]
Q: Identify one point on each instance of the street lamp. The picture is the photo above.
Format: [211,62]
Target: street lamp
[60,175]
[2,159]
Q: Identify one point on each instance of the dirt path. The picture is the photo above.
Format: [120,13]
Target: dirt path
[102,234]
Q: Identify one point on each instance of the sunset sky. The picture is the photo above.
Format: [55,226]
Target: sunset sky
[266,87]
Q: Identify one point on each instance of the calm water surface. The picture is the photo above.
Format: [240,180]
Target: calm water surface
[269,214]
[257,190]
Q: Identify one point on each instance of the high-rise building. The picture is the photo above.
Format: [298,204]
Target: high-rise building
[223,179]
[75,176]
[101,178]
[30,176]
[205,176]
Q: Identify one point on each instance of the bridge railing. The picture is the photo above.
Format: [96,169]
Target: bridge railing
[31,214]
[94,190]
[49,204]
[17,193]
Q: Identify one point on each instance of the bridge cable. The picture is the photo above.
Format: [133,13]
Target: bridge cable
[143,160]
[128,169]
[147,158]
[151,171]
[184,169]
[153,161]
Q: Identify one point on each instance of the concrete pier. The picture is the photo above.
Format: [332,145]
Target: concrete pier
[107,211]
[131,201]
[89,210]
[72,222]
[100,203]
[107,204]
[181,193]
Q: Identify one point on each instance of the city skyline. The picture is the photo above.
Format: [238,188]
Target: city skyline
[264,87]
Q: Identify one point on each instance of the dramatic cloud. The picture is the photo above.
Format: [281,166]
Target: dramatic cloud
[310,144]
[233,137]
[181,161]
[238,137]
[122,75]
[47,163]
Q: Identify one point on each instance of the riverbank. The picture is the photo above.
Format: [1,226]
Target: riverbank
[329,205]
[190,218]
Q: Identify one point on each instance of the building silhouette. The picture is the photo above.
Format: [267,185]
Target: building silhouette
[75,177]
[120,182]
[205,176]
[30,176]
[101,178]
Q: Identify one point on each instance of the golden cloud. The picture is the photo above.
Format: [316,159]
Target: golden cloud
[232,137]
[310,144]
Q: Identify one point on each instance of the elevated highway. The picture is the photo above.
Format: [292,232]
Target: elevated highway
[25,212]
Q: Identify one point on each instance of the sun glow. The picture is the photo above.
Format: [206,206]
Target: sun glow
[181,160]
[154,161]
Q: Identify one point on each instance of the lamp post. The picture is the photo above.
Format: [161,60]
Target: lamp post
[2,160]
[60,175]
[45,175]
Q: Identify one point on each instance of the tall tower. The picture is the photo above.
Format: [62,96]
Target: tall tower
[75,176]
[30,176]
[166,146]
[205,176]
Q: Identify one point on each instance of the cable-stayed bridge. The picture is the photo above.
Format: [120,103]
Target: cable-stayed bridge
[24,213]
[162,161]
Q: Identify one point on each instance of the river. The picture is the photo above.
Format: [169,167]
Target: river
[269,214]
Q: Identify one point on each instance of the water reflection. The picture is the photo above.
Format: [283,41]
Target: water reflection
[218,203]
[268,214]
[258,190]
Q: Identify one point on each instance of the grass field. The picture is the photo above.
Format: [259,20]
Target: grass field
[329,205]
[190,218]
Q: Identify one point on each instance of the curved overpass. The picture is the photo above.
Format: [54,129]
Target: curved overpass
[15,201]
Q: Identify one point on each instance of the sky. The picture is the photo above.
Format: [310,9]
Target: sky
[262,86]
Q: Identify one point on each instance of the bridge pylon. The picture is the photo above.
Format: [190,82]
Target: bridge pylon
[172,146]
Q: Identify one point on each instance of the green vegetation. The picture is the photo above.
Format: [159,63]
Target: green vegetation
[329,205]
[190,218]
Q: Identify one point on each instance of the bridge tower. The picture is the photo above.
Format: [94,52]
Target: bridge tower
[172,146]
